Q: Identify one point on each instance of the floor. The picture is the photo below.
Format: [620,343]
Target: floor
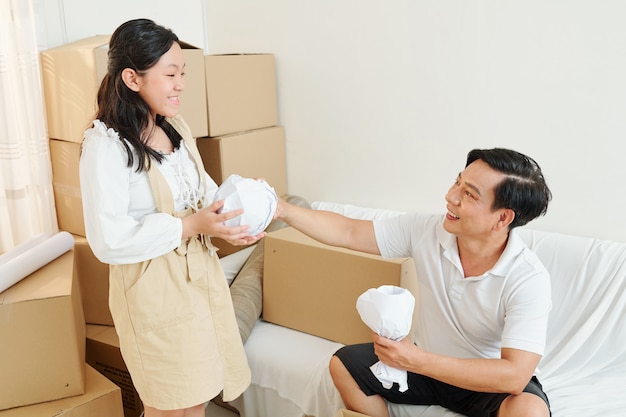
[214,410]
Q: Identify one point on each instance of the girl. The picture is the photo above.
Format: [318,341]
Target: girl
[146,201]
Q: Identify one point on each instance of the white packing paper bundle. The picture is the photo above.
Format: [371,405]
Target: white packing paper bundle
[256,197]
[26,258]
[388,311]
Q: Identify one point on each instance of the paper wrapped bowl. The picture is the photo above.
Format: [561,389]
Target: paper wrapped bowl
[256,197]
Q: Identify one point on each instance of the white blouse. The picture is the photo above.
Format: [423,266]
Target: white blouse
[121,219]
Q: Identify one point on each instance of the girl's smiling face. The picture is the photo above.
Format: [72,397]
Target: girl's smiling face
[161,85]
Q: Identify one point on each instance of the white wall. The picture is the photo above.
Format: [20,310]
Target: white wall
[70,20]
[381,100]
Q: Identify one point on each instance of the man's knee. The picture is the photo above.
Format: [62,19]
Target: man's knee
[336,368]
[523,405]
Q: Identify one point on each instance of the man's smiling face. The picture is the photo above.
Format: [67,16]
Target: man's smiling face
[470,201]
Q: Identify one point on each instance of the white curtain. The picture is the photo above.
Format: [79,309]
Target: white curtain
[26,196]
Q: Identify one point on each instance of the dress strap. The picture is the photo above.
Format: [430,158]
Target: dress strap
[160,188]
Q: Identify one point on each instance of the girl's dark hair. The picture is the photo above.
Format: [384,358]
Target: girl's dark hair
[523,190]
[137,44]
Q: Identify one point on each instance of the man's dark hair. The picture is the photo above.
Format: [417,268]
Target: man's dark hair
[523,190]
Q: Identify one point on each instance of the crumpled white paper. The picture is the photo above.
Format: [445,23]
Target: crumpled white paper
[388,311]
[256,197]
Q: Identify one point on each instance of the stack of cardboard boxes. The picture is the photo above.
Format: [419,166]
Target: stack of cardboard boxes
[43,349]
[230,105]
[243,134]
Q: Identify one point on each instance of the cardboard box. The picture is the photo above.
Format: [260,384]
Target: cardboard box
[93,278]
[65,157]
[313,288]
[71,77]
[241,92]
[42,352]
[103,353]
[102,398]
[72,74]
[257,153]
[225,248]
[193,102]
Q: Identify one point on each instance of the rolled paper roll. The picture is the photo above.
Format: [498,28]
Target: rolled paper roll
[24,259]
[23,247]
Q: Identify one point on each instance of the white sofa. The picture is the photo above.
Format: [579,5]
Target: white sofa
[583,370]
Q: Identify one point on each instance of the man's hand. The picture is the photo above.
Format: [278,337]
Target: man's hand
[399,354]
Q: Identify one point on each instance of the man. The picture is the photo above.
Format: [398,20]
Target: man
[484,297]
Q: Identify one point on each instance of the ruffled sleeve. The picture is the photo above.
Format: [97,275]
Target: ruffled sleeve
[121,221]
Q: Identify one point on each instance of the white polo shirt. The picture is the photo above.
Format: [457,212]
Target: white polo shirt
[474,317]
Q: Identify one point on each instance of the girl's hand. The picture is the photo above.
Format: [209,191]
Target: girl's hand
[208,221]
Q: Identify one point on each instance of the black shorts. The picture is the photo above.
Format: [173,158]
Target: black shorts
[424,390]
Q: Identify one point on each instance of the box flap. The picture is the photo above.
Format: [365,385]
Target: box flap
[97,387]
[103,334]
[293,235]
[100,41]
[86,43]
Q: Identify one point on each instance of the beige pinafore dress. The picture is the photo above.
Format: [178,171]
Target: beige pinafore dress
[174,317]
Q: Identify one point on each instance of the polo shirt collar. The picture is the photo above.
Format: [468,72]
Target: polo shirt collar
[514,247]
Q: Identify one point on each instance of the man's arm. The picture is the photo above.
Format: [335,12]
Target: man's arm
[330,228]
[509,374]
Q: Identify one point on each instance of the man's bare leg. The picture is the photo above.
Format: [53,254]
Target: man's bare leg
[352,396]
[523,405]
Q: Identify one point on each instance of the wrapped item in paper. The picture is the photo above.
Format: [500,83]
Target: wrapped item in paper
[388,311]
[256,197]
